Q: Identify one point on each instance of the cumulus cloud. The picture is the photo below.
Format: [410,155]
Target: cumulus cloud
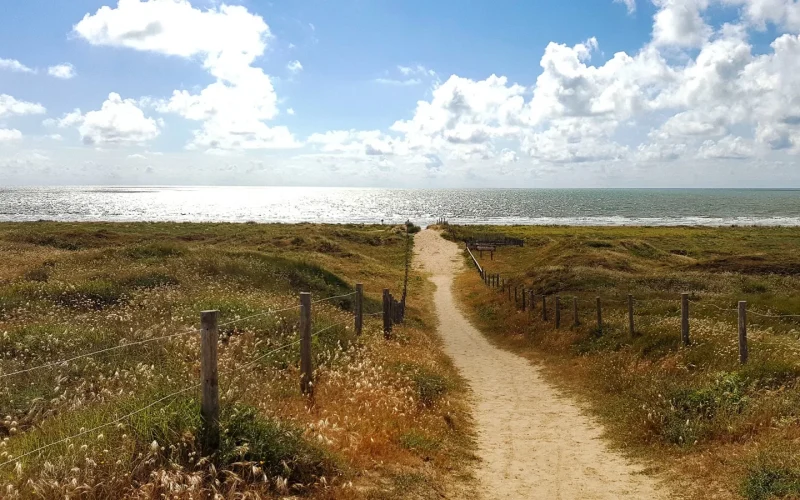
[64,71]
[703,92]
[119,122]
[15,66]
[679,23]
[8,135]
[226,40]
[10,106]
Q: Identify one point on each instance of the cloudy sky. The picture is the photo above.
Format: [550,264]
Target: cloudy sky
[501,93]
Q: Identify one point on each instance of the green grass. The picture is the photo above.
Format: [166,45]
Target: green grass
[71,288]
[693,410]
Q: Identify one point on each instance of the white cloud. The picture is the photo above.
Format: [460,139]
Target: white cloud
[226,39]
[679,23]
[294,66]
[401,83]
[290,111]
[15,66]
[411,75]
[137,156]
[8,135]
[630,4]
[728,147]
[119,122]
[10,106]
[63,71]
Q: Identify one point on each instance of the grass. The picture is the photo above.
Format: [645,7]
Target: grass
[67,289]
[713,427]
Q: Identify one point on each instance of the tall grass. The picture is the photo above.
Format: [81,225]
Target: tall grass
[711,424]
[73,288]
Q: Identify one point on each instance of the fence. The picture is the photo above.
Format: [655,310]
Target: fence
[393,313]
[526,300]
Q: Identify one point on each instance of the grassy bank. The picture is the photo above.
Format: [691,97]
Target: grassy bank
[387,419]
[714,427]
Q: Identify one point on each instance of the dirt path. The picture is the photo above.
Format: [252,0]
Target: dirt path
[534,442]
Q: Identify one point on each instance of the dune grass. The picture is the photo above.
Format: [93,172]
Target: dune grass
[67,289]
[715,428]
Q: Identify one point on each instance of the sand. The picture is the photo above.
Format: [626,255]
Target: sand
[533,441]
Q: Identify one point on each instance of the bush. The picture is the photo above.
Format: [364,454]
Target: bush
[277,448]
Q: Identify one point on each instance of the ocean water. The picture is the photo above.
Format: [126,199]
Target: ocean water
[603,207]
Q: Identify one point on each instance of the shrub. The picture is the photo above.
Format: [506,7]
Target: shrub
[278,448]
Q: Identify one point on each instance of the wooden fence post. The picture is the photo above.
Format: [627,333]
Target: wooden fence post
[387,320]
[359,316]
[558,312]
[742,332]
[515,296]
[533,301]
[509,292]
[523,299]
[630,316]
[305,343]
[575,319]
[685,318]
[544,307]
[599,316]
[209,410]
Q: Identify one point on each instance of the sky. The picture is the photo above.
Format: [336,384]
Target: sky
[380,93]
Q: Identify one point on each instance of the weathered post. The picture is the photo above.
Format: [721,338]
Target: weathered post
[630,316]
[742,332]
[558,312]
[544,307]
[509,292]
[305,343]
[533,300]
[599,316]
[576,321]
[685,318]
[515,295]
[387,319]
[523,299]
[359,316]
[209,410]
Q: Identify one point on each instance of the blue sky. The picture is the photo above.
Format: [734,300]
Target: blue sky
[378,93]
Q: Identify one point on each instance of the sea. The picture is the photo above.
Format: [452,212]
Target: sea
[596,207]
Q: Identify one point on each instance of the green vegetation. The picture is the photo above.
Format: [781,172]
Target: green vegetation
[708,422]
[68,289]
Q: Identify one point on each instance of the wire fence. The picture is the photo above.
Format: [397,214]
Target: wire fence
[526,300]
[208,358]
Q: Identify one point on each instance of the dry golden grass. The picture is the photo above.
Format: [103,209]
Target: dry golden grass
[716,428]
[387,419]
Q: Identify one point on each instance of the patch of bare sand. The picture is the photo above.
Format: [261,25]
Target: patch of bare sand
[533,441]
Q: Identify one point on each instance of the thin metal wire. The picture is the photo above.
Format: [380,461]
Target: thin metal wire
[329,327]
[332,298]
[140,342]
[773,315]
[290,344]
[94,353]
[265,313]
[273,351]
[699,304]
[115,421]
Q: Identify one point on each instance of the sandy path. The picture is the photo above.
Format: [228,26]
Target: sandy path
[534,442]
